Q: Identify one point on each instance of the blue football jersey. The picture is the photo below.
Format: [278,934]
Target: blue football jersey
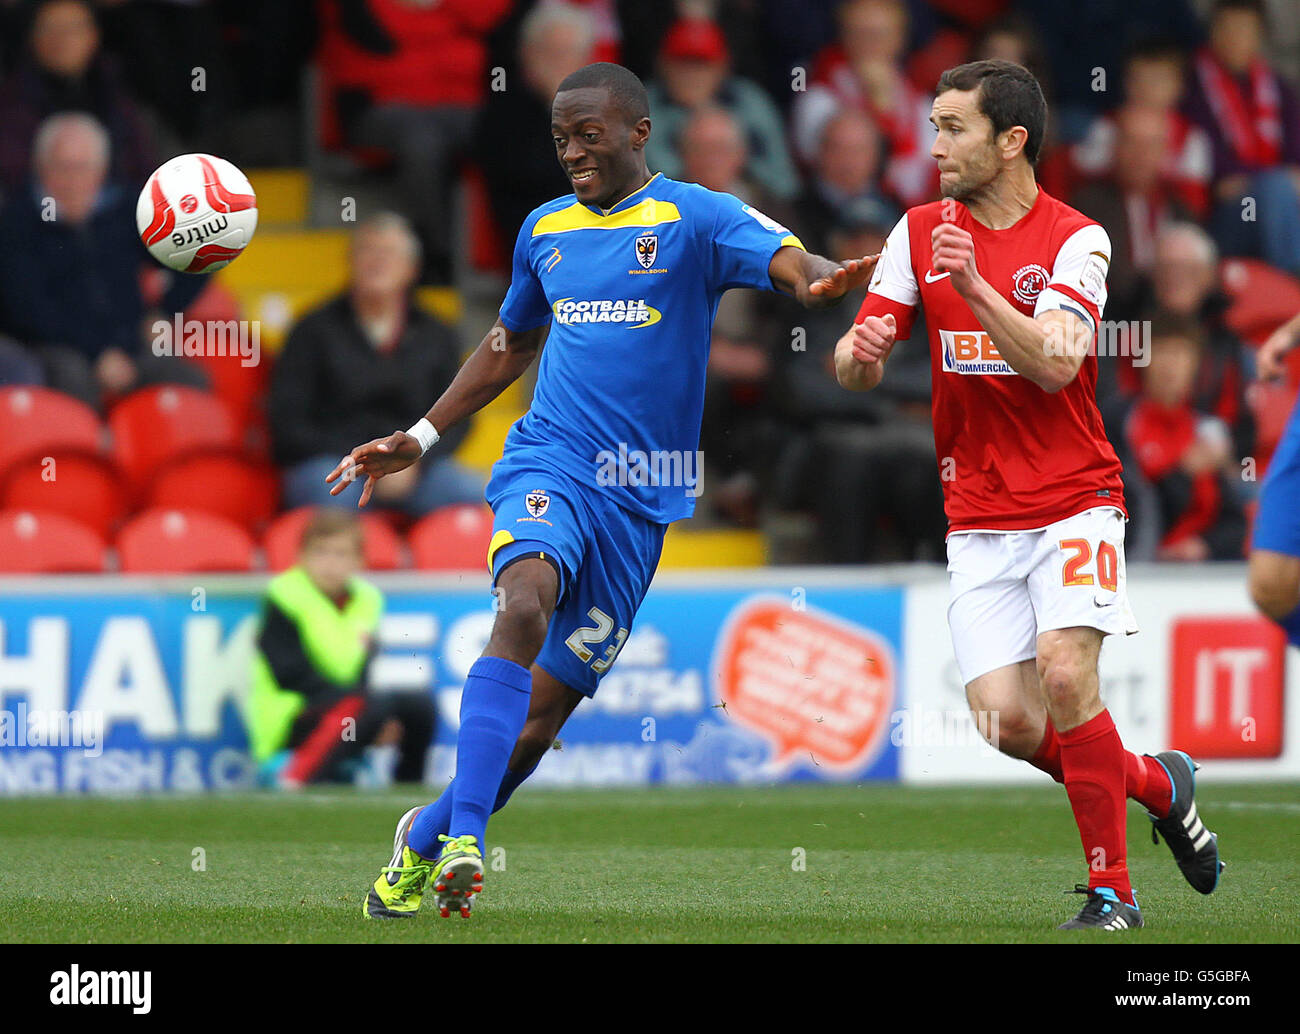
[631,294]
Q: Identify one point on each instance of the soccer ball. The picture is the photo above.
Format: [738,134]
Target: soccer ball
[196,213]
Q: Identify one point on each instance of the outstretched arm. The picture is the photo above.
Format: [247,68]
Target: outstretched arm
[500,359]
[817,282]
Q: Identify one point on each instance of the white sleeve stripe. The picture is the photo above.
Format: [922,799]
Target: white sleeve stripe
[1050,298]
[894,277]
[894,294]
[1082,263]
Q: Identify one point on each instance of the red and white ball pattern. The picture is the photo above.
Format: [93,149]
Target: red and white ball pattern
[196,213]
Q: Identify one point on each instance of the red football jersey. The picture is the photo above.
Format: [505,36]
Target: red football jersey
[1011,455]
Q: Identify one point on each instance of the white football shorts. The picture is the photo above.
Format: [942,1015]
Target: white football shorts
[1008,587]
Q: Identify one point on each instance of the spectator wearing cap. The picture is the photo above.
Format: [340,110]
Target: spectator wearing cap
[1252,116]
[694,72]
[844,183]
[863,69]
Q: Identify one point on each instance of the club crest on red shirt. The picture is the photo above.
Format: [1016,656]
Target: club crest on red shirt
[1028,282]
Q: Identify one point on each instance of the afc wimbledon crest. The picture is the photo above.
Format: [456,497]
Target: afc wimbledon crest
[647,249]
[537,502]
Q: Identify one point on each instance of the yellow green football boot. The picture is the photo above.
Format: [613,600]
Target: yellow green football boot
[458,876]
[397,892]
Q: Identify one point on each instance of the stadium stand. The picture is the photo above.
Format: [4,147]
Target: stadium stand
[300,257]
[154,426]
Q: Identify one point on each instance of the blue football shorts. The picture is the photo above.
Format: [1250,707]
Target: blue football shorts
[604,554]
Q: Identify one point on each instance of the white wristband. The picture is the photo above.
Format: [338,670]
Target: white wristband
[424,433]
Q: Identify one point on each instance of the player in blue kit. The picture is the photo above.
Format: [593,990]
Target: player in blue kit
[1275,541]
[622,280]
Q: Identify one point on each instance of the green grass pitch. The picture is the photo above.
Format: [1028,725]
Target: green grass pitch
[784,864]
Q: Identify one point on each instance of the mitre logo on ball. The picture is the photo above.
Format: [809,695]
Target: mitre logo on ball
[196,213]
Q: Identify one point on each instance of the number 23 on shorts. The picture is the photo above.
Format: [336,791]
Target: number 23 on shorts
[1073,573]
[597,633]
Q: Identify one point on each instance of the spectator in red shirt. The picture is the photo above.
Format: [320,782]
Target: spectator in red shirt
[1252,116]
[1154,78]
[410,78]
[864,69]
[1182,455]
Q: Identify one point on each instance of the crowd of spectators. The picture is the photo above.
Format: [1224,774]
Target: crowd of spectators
[1174,123]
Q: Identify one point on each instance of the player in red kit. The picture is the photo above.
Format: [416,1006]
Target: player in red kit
[1013,283]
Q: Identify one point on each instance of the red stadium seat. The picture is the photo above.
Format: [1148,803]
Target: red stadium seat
[32,542]
[36,421]
[242,388]
[178,541]
[454,538]
[1263,296]
[221,483]
[81,485]
[380,545]
[153,426]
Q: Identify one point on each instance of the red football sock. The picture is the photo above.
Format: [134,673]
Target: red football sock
[1145,779]
[1092,758]
[1048,755]
[1148,783]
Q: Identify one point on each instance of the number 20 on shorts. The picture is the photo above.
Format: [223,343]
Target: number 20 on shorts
[1073,572]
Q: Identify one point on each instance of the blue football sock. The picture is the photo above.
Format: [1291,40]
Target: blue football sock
[1291,625]
[436,817]
[493,709]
